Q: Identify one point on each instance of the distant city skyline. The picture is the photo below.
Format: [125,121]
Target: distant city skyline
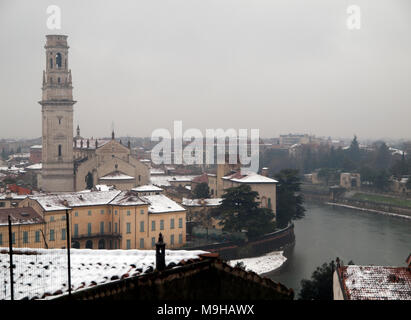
[283,67]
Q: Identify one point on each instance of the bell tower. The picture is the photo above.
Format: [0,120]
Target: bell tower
[57,118]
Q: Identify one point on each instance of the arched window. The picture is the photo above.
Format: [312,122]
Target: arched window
[58,80]
[101,244]
[269,203]
[51,63]
[75,245]
[58,60]
[59,150]
[89,244]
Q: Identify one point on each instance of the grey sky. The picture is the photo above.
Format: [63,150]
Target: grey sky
[280,66]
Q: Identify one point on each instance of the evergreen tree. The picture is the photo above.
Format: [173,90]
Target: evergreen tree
[239,211]
[320,287]
[201,191]
[383,157]
[354,151]
[289,200]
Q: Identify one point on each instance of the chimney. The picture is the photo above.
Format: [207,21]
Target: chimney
[160,253]
[264,171]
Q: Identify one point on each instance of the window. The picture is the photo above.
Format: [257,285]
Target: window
[63,218]
[153,226]
[128,212]
[51,218]
[153,242]
[58,81]
[109,227]
[142,211]
[141,243]
[115,227]
[51,63]
[128,227]
[115,212]
[2,204]
[76,230]
[89,228]
[89,212]
[51,234]
[63,234]
[180,223]
[59,150]
[180,238]
[1,238]
[172,239]
[161,224]
[128,244]
[102,227]
[102,211]
[58,60]
[269,203]
[171,223]
[141,226]
[37,236]
[25,237]
[13,238]
[76,213]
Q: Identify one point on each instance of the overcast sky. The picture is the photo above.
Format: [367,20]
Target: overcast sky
[278,66]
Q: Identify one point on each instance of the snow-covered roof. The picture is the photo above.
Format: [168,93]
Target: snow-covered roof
[36,166]
[54,202]
[117,175]
[211,202]
[147,188]
[376,282]
[37,146]
[104,187]
[12,196]
[26,215]
[128,198]
[159,203]
[43,272]
[156,171]
[164,181]
[249,177]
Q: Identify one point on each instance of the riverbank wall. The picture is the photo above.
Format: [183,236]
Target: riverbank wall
[278,240]
[323,195]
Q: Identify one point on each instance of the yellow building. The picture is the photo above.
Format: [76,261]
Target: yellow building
[29,229]
[115,219]
[229,176]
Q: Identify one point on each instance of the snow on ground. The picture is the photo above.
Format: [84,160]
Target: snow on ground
[263,264]
[46,271]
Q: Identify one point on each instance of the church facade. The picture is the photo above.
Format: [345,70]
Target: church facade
[74,163]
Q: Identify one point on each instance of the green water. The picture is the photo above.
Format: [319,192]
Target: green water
[327,232]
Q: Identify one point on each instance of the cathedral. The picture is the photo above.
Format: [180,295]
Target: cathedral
[74,163]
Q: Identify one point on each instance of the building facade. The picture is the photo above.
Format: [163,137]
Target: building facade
[114,219]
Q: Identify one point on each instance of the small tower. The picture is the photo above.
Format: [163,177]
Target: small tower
[160,253]
[57,118]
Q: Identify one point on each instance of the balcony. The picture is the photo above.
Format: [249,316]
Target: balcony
[108,235]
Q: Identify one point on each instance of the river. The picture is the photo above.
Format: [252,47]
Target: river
[328,232]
